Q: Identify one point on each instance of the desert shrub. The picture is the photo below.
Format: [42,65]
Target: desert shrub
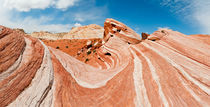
[67,46]
[113,25]
[153,40]
[108,54]
[89,46]
[57,47]
[86,59]
[89,52]
[118,30]
[94,51]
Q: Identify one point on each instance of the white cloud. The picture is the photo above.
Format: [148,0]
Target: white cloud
[11,15]
[63,4]
[86,16]
[29,24]
[201,14]
[77,25]
[196,11]
[27,5]
[95,13]
[79,17]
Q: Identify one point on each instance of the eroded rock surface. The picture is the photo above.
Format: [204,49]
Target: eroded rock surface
[83,32]
[167,68]
[47,35]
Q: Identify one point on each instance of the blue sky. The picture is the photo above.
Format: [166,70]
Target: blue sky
[186,16]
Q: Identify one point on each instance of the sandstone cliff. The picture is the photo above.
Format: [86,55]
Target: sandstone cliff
[85,32]
[82,32]
[47,35]
[167,68]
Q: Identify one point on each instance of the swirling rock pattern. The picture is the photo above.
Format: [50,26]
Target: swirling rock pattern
[166,68]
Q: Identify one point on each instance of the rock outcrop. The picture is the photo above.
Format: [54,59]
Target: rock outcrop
[47,35]
[85,32]
[82,32]
[167,68]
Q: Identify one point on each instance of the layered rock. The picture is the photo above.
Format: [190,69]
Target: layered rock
[19,30]
[82,32]
[47,35]
[166,68]
[85,32]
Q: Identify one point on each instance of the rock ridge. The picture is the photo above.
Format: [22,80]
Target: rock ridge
[165,68]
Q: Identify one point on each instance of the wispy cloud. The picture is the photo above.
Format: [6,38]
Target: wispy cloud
[27,5]
[196,11]
[77,25]
[63,4]
[92,14]
[9,9]
[11,14]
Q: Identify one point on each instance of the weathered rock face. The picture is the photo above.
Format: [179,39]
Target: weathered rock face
[166,69]
[47,35]
[115,28]
[19,30]
[83,32]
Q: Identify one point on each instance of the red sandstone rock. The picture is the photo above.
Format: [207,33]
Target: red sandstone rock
[144,36]
[167,69]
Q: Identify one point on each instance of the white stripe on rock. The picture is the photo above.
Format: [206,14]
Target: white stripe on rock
[155,77]
[141,92]
[186,75]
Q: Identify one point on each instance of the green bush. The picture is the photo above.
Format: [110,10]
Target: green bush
[86,59]
[94,51]
[89,52]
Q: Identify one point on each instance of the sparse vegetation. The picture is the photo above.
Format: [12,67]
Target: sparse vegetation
[94,51]
[113,25]
[67,46]
[89,52]
[86,59]
[57,47]
[89,46]
[108,54]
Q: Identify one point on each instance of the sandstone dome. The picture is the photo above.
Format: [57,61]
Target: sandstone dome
[167,68]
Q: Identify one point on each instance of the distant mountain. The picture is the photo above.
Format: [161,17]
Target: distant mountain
[82,32]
